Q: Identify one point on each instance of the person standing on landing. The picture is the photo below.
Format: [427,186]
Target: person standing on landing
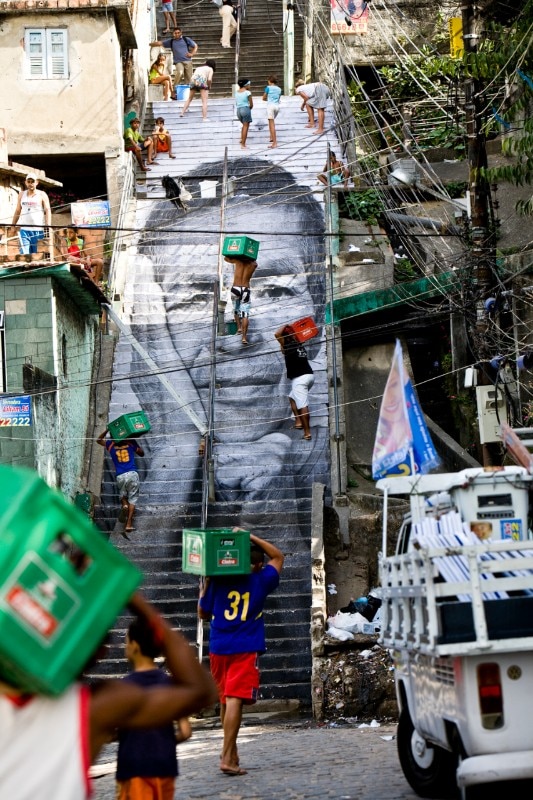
[183,49]
[33,214]
[123,456]
[146,762]
[241,293]
[169,14]
[244,103]
[301,375]
[272,96]
[234,604]
[229,24]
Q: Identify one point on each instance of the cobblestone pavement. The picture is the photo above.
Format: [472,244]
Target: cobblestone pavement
[289,760]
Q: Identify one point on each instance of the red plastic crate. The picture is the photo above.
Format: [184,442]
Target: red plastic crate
[304,329]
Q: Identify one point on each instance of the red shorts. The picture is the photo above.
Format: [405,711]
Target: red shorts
[236,675]
[146,789]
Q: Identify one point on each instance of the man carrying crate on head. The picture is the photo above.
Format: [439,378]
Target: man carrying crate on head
[123,456]
[240,291]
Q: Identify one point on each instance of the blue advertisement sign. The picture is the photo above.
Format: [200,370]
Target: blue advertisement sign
[15,411]
[91,214]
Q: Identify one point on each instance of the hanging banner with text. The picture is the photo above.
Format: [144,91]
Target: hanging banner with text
[91,214]
[349,16]
[15,411]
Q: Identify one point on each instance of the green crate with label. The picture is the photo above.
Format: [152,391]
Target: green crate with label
[240,246]
[61,585]
[219,551]
[129,426]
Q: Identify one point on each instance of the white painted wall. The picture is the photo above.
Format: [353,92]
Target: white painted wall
[81,114]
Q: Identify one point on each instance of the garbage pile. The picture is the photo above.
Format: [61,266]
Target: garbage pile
[359,684]
[359,616]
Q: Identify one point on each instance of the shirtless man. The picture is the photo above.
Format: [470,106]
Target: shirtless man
[240,291]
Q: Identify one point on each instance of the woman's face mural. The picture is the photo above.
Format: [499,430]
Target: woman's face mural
[256,451]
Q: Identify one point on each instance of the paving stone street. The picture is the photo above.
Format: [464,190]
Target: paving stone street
[294,760]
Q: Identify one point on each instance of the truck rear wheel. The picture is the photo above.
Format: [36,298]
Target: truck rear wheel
[429,769]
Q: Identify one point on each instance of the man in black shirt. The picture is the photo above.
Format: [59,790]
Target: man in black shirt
[301,375]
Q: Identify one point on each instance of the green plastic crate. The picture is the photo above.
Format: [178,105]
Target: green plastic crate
[132,424]
[61,585]
[219,551]
[240,246]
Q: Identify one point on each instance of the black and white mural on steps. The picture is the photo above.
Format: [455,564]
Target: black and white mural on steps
[263,468]
[258,455]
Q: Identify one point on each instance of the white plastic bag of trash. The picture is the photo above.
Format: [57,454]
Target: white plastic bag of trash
[355,623]
[339,633]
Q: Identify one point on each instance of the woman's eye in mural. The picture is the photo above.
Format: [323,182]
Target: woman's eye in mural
[277,292]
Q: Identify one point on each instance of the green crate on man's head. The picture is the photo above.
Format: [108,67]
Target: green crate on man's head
[129,425]
[240,246]
[219,551]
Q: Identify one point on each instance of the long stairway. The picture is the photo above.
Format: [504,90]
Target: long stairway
[261,41]
[263,469]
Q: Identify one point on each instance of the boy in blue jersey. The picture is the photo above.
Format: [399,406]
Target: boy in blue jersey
[234,604]
[123,456]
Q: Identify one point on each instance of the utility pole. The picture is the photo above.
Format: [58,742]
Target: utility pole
[483,254]
[288,47]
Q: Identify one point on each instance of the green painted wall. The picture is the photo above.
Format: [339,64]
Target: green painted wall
[44,326]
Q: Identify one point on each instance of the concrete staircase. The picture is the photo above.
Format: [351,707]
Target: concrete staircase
[261,48]
[263,469]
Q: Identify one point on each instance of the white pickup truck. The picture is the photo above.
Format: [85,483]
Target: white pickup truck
[457,616]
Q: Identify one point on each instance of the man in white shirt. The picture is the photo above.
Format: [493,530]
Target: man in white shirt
[33,214]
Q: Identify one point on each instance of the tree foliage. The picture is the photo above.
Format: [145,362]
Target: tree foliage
[503,68]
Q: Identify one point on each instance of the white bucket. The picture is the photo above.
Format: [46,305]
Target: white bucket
[208,188]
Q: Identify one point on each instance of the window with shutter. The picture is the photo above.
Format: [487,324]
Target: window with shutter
[46,52]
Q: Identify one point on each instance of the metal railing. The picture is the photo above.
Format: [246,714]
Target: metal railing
[128,191]
[208,487]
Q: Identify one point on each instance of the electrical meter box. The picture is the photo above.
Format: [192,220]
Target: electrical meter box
[240,246]
[61,585]
[219,551]
[132,424]
[494,508]
[491,411]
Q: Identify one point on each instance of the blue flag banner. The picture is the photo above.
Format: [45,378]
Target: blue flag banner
[403,443]
[394,438]
[424,454]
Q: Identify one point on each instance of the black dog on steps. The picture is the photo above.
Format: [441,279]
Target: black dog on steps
[175,191]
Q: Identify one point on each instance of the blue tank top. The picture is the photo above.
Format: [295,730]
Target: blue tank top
[147,752]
